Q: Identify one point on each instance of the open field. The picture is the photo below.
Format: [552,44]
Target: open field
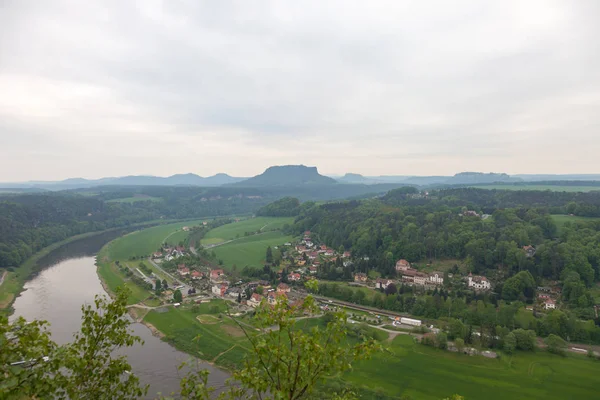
[134,199]
[219,342]
[112,278]
[238,229]
[421,372]
[144,242]
[560,219]
[249,250]
[555,188]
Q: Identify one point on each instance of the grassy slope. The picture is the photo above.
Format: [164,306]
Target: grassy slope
[555,188]
[250,250]
[425,373]
[231,231]
[144,242]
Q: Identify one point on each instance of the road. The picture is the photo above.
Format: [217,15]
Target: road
[185,288]
[2,277]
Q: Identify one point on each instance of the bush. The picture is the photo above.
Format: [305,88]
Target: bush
[525,339]
[556,345]
[441,341]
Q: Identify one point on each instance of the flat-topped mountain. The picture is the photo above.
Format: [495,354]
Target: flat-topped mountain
[288,175]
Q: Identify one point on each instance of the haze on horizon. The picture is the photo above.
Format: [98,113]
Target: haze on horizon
[94,89]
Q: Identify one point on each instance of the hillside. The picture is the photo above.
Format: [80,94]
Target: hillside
[287,175]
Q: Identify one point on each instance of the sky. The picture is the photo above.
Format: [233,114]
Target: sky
[113,88]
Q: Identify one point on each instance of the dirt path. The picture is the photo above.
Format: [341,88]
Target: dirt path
[2,277]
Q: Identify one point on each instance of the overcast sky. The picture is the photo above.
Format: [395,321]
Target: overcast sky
[112,88]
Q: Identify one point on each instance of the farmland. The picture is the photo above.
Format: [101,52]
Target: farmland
[410,369]
[239,229]
[145,242]
[554,188]
[249,250]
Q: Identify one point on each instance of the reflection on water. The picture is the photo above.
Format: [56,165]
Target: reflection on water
[69,280]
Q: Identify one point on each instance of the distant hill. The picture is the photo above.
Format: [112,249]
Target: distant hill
[552,177]
[471,178]
[358,178]
[131,180]
[287,175]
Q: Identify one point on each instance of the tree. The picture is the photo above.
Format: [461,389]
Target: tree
[87,368]
[510,343]
[259,290]
[269,256]
[239,298]
[165,284]
[391,289]
[177,296]
[460,345]
[555,344]
[289,361]
[157,286]
[525,339]
[441,341]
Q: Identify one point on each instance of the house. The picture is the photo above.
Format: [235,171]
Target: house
[283,288]
[346,254]
[436,278]
[219,289]
[383,283]
[543,296]
[478,282]
[272,297]
[529,251]
[306,233]
[157,255]
[360,277]
[186,228]
[312,269]
[253,285]
[312,255]
[420,278]
[329,252]
[470,213]
[402,265]
[255,300]
[197,275]
[300,249]
[294,277]
[183,270]
[549,304]
[323,247]
[216,273]
[408,275]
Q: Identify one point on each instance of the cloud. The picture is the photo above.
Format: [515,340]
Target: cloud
[161,87]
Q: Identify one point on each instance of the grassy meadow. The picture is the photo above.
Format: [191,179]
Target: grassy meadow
[421,372]
[238,229]
[145,242]
[249,250]
[561,219]
[221,340]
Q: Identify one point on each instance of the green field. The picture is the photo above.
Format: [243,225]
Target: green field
[134,199]
[222,343]
[238,229]
[554,188]
[249,250]
[145,242]
[560,219]
[421,372]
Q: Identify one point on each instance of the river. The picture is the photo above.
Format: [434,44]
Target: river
[68,280]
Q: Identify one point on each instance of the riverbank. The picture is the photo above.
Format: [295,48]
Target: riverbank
[13,282]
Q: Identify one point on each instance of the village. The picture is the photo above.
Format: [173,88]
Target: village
[301,261]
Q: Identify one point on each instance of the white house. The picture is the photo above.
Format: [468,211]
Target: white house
[549,304]
[436,278]
[383,283]
[479,282]
[255,300]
